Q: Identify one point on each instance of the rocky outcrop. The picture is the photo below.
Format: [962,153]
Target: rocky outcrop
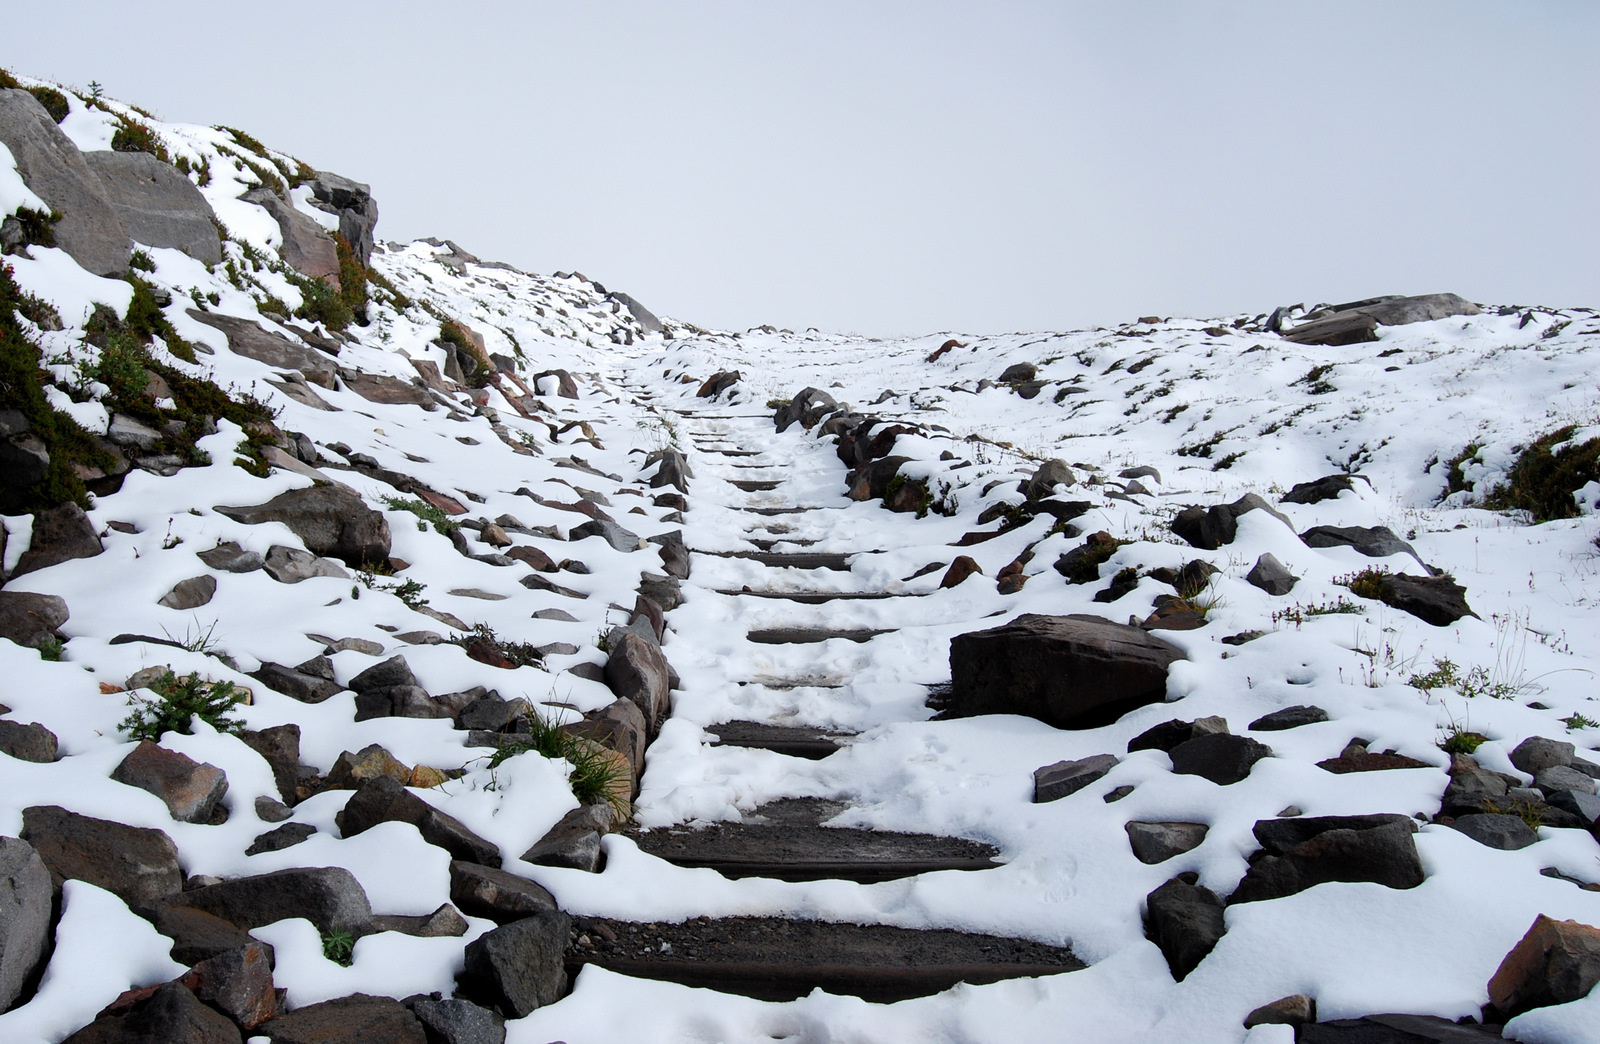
[1301,853]
[1067,671]
[332,520]
[1358,321]
[158,206]
[352,203]
[305,247]
[253,341]
[59,535]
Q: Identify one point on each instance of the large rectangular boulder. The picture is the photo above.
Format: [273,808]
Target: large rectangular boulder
[158,205]
[1073,671]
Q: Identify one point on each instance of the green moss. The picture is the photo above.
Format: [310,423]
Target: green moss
[54,102]
[1545,476]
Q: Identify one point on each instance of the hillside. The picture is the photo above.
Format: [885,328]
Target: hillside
[387,625]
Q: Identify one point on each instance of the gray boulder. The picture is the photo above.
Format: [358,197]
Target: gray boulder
[518,968]
[306,248]
[356,209]
[1156,842]
[452,1021]
[31,619]
[1557,778]
[254,341]
[300,685]
[574,841]
[332,520]
[613,534]
[1222,758]
[641,315]
[1374,542]
[1301,853]
[635,670]
[51,165]
[191,593]
[385,800]
[24,916]
[1497,830]
[138,865]
[675,562]
[329,897]
[1437,600]
[1185,920]
[674,471]
[1044,480]
[190,789]
[197,936]
[158,206]
[24,459]
[1068,671]
[231,558]
[1289,718]
[59,535]
[31,742]
[806,408]
[1054,782]
[1537,753]
[502,897]
[1211,528]
[1271,575]
[238,983]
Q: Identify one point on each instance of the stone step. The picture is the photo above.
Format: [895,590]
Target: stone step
[816,597]
[801,510]
[767,544]
[813,635]
[779,959]
[786,841]
[760,467]
[835,560]
[754,485]
[797,741]
[730,453]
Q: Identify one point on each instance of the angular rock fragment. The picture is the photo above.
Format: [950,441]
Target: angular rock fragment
[1300,853]
[481,891]
[189,788]
[385,800]
[518,968]
[137,864]
[238,983]
[1554,963]
[635,670]
[59,535]
[1156,842]
[332,520]
[329,897]
[1185,920]
[1220,757]
[191,593]
[25,897]
[574,841]
[1054,782]
[291,565]
[171,1014]
[1497,830]
[1271,576]
[356,1018]
[1289,718]
[31,742]
[1170,733]
[31,620]
[1209,529]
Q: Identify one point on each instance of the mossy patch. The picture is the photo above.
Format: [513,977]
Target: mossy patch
[1547,474]
[54,102]
[136,136]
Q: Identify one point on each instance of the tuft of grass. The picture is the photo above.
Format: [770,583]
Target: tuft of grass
[1365,583]
[1579,721]
[1457,740]
[523,654]
[178,700]
[1546,474]
[1298,614]
[38,226]
[592,774]
[1527,811]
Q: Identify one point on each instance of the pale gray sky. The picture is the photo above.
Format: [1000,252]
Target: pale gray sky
[905,167]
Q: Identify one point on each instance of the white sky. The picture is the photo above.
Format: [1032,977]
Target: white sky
[908,167]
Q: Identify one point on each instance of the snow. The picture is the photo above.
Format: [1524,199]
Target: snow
[1218,414]
[14,192]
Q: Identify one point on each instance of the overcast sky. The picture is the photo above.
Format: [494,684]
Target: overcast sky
[889,168]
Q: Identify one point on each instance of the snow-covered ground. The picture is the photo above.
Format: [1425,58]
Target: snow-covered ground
[1216,406]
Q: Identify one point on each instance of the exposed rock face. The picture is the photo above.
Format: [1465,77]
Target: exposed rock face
[1156,842]
[31,619]
[138,865]
[481,891]
[158,206]
[1066,671]
[329,897]
[24,916]
[1185,920]
[642,315]
[331,520]
[1437,600]
[254,341]
[306,248]
[518,967]
[1300,853]
[190,789]
[353,203]
[23,461]
[1554,963]
[1358,321]
[51,165]
[1222,758]
[1271,576]
[59,535]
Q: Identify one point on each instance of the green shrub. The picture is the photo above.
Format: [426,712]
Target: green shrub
[1365,583]
[54,102]
[1460,741]
[1545,476]
[178,700]
[523,654]
[38,226]
[352,279]
[247,141]
[7,81]
[141,261]
[321,303]
[339,946]
[134,136]
[425,512]
[122,368]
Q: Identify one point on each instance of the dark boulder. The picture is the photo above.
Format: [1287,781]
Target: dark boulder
[1374,542]
[1289,718]
[307,688]
[238,983]
[674,561]
[1396,1029]
[1169,734]
[718,383]
[158,206]
[1046,477]
[25,898]
[385,800]
[1156,842]
[286,836]
[808,407]
[574,842]
[329,897]
[356,1019]
[280,746]
[352,203]
[190,789]
[1222,758]
[481,891]
[449,1020]
[1271,576]
[1358,321]
[1211,528]
[620,539]
[566,387]
[332,520]
[24,459]
[1437,600]
[518,968]
[1069,671]
[59,535]
[963,567]
[170,1014]
[1497,830]
[1329,487]
[191,593]
[1556,962]
[1054,782]
[872,480]
[30,742]
[1185,920]
[673,471]
[31,619]
[196,935]
[1300,853]
[137,864]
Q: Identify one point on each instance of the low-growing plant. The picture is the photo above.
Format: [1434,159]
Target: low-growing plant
[54,102]
[121,367]
[408,591]
[1457,740]
[339,946]
[1298,613]
[51,647]
[593,774]
[178,701]
[1530,812]
[135,136]
[1545,476]
[1365,583]
[1576,720]
[426,514]
[38,226]
[523,654]
[141,261]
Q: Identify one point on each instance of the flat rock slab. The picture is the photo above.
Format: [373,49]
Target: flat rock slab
[810,636]
[793,740]
[817,597]
[754,485]
[785,840]
[838,561]
[771,958]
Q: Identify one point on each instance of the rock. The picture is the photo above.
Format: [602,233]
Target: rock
[1289,718]
[610,532]
[674,560]
[305,246]
[1045,479]
[51,165]
[1562,777]
[1156,842]
[1358,321]
[329,897]
[31,620]
[1221,758]
[635,670]
[137,864]
[231,558]
[718,383]
[1017,373]
[1536,753]
[1472,788]
[286,836]
[665,591]
[307,688]
[357,211]
[171,1014]
[871,481]
[31,742]
[1271,576]
[1356,758]
[1054,782]
[128,432]
[191,593]
[574,841]
[445,922]
[642,315]
[517,968]
[1300,853]
[1209,529]
[159,207]
[1437,600]
[452,1021]
[350,771]
[25,898]
[238,983]
[1169,734]
[1505,832]
[290,565]
[24,459]
[196,935]
[481,891]
[1185,920]
[1067,671]
[1329,487]
[1556,962]
[808,407]
[59,535]
[562,383]
[332,520]
[674,471]
[385,800]
[1294,1010]
[1376,542]
[1396,1029]
[253,341]
[1583,805]
[618,726]
[389,391]
[532,557]
[963,567]
[391,672]
[190,789]
[356,1019]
